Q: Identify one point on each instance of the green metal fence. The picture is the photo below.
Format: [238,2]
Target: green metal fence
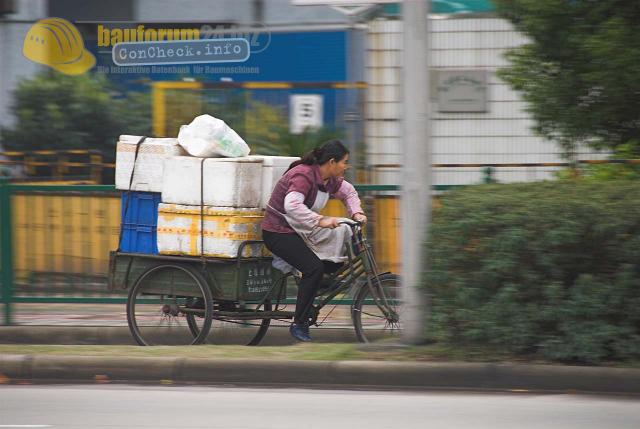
[6,254]
[55,240]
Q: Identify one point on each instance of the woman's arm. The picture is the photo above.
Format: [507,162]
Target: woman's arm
[294,206]
[349,197]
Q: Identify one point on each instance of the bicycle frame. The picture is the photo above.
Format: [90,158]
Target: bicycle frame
[360,262]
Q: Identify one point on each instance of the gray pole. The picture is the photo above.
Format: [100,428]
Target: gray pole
[416,173]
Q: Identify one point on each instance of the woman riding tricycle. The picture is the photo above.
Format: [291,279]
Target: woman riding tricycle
[176,299]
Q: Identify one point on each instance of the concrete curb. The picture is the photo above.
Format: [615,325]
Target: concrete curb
[340,374]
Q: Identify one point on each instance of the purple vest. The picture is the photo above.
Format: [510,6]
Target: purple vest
[302,178]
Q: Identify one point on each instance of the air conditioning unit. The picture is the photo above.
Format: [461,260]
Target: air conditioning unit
[7,7]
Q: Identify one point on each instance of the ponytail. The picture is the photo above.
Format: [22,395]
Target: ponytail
[333,149]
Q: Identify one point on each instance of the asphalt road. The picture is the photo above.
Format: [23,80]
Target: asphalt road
[123,406]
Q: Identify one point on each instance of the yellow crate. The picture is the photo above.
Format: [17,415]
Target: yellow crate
[179,231]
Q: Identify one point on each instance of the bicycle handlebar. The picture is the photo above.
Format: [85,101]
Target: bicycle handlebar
[351,223]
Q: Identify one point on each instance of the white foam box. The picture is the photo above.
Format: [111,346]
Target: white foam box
[225,228]
[273,168]
[149,163]
[228,182]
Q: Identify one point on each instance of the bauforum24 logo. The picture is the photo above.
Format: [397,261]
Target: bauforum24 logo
[57,43]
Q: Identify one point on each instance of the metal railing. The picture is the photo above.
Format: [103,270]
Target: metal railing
[72,165]
[54,243]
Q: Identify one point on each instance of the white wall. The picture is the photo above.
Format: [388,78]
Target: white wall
[501,135]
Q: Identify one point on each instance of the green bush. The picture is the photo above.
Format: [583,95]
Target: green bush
[59,112]
[547,269]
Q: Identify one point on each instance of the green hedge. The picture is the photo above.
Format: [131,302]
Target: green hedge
[547,269]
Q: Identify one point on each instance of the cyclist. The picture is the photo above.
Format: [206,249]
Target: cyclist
[295,232]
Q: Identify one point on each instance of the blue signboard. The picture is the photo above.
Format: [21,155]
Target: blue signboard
[319,56]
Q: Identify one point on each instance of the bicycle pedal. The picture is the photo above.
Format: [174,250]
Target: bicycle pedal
[198,304]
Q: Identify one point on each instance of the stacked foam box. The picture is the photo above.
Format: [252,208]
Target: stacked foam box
[164,204]
[228,182]
[141,194]
[149,163]
[273,168]
[230,206]
[229,203]
[225,228]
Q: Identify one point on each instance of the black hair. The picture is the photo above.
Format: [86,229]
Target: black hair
[333,149]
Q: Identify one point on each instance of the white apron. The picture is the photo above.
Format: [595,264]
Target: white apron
[328,244]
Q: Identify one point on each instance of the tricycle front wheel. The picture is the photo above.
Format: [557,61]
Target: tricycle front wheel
[159,302]
[377,308]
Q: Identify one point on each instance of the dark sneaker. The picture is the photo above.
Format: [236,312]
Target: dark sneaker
[297,331]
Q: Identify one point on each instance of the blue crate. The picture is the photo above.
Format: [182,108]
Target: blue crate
[139,239]
[142,208]
[139,214]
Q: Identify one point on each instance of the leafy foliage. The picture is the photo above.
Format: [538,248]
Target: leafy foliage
[264,126]
[549,269]
[267,132]
[58,112]
[580,72]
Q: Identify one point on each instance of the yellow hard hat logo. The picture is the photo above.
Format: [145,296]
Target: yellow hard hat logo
[57,43]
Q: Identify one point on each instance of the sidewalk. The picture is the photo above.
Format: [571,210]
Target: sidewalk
[52,314]
[107,324]
[120,335]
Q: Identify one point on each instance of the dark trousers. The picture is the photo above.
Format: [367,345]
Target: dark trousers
[295,252]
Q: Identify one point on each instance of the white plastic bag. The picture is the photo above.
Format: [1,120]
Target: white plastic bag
[209,137]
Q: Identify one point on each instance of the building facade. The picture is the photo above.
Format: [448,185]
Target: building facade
[475,117]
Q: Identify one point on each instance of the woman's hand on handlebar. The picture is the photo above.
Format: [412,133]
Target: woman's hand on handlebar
[360,217]
[328,222]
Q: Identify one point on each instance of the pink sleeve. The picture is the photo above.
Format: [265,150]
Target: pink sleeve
[349,197]
[294,206]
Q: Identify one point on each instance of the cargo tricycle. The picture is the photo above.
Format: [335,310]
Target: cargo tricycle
[176,300]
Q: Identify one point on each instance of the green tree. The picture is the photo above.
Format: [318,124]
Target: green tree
[57,112]
[580,71]
[265,128]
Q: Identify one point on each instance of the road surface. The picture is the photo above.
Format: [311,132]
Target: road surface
[128,406]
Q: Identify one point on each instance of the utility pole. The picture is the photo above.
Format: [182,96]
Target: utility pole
[416,172]
[258,12]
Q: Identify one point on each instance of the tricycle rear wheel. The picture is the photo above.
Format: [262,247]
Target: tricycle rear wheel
[157,302]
